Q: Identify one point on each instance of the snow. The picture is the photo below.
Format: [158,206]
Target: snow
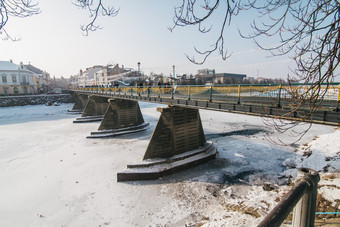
[51,175]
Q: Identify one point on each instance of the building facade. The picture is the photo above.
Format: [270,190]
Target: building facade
[109,74]
[43,78]
[208,76]
[17,79]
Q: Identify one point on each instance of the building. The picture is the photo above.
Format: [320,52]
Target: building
[17,79]
[228,78]
[43,78]
[109,74]
[86,78]
[208,76]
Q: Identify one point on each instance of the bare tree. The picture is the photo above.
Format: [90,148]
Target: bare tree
[308,31]
[15,8]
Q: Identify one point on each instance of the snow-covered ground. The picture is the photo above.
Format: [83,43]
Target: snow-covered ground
[51,175]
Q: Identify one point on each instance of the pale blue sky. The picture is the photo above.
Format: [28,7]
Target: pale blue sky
[53,42]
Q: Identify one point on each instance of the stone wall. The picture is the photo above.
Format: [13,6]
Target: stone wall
[34,99]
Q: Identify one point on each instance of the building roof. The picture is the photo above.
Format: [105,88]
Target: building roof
[8,66]
[231,75]
[33,69]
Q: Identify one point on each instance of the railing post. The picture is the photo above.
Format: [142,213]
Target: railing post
[338,99]
[302,196]
[189,92]
[279,96]
[304,211]
[210,94]
[239,94]
[172,92]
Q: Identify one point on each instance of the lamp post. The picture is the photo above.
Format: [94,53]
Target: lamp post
[174,74]
[138,72]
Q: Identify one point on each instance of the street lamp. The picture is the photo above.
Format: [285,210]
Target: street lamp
[138,71]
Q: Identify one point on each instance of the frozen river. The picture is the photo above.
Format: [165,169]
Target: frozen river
[51,175]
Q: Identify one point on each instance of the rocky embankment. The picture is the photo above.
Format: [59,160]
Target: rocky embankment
[24,100]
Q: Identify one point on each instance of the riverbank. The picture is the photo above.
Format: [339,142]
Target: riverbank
[23,100]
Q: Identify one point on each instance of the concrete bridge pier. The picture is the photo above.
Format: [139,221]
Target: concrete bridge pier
[94,109]
[178,142]
[121,117]
[80,102]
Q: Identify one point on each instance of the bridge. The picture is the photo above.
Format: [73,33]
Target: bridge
[178,140]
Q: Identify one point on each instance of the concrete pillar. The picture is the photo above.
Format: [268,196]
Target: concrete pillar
[94,109]
[121,117]
[177,143]
[178,130]
[80,102]
[96,106]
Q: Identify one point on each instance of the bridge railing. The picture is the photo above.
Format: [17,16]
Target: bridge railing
[227,93]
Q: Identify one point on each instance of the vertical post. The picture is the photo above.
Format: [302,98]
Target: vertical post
[210,94]
[338,99]
[304,211]
[138,63]
[189,92]
[159,91]
[239,94]
[172,91]
[279,96]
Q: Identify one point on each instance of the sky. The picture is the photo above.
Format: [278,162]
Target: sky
[53,41]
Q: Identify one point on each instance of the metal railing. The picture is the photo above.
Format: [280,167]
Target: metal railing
[302,196]
[273,94]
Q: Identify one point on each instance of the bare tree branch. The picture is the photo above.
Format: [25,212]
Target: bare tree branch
[15,8]
[95,8]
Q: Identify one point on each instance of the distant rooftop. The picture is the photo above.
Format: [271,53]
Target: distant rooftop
[33,69]
[8,66]
[232,75]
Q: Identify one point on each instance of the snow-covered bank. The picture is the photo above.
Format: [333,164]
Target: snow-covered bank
[51,175]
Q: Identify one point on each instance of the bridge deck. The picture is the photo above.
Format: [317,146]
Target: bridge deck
[262,101]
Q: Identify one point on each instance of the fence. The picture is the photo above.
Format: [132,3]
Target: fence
[302,197]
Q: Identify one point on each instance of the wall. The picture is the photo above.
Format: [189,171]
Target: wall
[34,99]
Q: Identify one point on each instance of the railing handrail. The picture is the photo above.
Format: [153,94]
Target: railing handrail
[231,85]
[302,196]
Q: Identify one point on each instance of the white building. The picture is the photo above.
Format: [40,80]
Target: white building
[87,78]
[109,74]
[17,79]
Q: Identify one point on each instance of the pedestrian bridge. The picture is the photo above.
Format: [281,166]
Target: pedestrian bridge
[268,101]
[178,140]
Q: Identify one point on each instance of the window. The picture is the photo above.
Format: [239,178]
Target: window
[4,79]
[5,91]
[16,91]
[25,90]
[24,79]
[14,79]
